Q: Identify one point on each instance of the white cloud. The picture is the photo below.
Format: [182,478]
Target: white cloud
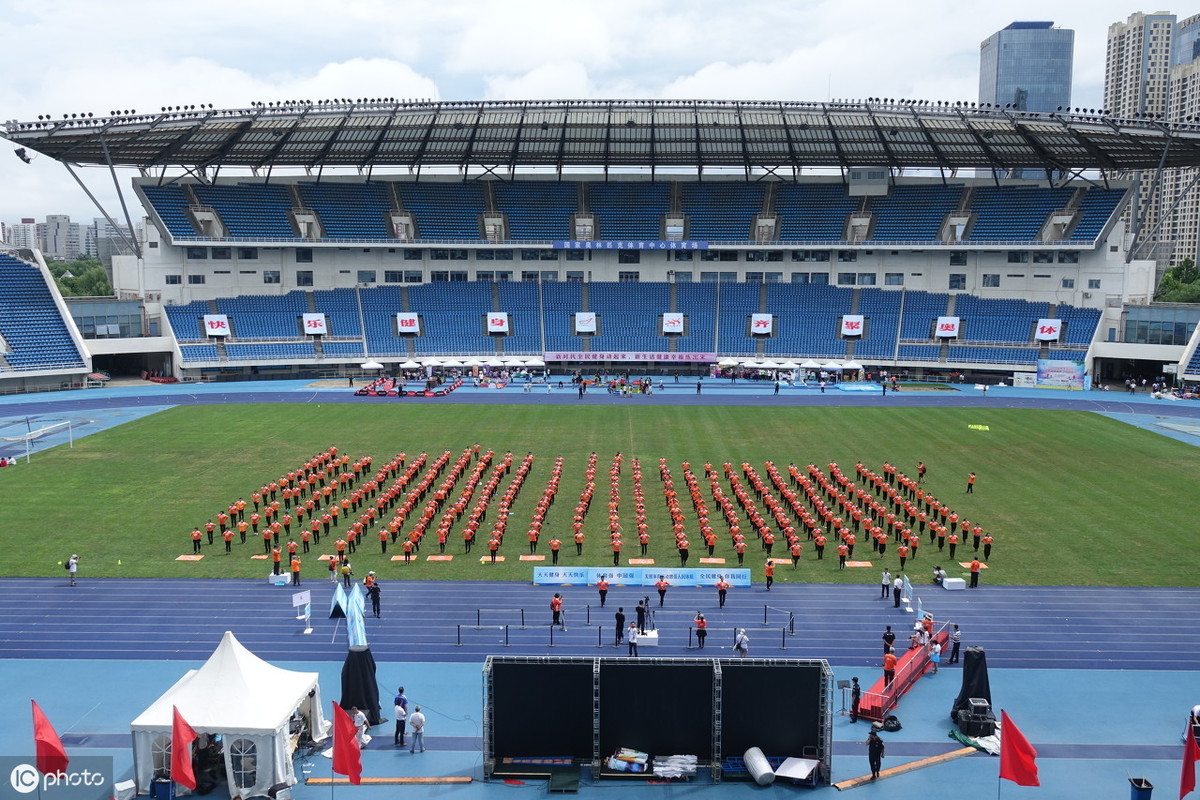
[81,55]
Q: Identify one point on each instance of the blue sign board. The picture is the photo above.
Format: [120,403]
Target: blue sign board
[639,576]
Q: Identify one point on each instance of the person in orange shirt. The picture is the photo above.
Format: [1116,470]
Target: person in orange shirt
[616,551]
[842,551]
[493,546]
[644,541]
[701,629]
[819,543]
[409,546]
[662,585]
[971,483]
[242,526]
[209,527]
[266,537]
[602,589]
[683,551]
[902,551]
[795,550]
[276,557]
[305,538]
[722,590]
[889,667]
[196,537]
[556,607]
[533,540]
[383,541]
[975,567]
[333,569]
[555,543]
[227,535]
[953,540]
[740,548]
[769,571]
[340,545]
[295,571]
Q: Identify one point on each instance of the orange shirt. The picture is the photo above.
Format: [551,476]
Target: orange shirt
[769,569]
[889,662]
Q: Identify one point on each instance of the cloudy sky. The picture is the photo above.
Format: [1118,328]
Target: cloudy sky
[62,56]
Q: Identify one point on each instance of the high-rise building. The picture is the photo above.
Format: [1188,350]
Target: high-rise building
[102,240]
[60,238]
[23,234]
[1138,65]
[1153,70]
[1027,67]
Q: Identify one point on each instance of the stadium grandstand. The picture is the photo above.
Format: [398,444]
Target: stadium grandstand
[302,239]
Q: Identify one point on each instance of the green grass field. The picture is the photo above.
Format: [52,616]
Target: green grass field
[1071,497]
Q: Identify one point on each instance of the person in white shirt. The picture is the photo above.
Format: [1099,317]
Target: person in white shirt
[361,725]
[416,726]
[631,636]
[741,643]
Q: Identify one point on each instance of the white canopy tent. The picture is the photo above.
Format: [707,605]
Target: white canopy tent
[249,703]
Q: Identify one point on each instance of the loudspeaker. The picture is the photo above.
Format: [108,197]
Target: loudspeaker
[976,725]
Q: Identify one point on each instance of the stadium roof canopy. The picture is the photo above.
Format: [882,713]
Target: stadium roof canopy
[611,134]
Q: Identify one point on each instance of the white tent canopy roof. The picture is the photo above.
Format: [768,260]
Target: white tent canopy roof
[852,365]
[810,364]
[234,691]
[410,364]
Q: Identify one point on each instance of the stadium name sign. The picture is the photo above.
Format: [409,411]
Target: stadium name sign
[630,356]
[629,245]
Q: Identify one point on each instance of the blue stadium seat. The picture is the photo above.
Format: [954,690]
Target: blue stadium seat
[251,210]
[170,202]
[1094,212]
[445,210]
[629,210]
[721,211]
[813,212]
[913,213]
[1014,213]
[351,211]
[537,210]
[30,321]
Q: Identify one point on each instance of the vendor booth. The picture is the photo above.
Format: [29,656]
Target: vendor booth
[250,717]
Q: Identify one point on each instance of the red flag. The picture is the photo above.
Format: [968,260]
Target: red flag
[1018,759]
[347,758]
[1191,754]
[182,737]
[51,757]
